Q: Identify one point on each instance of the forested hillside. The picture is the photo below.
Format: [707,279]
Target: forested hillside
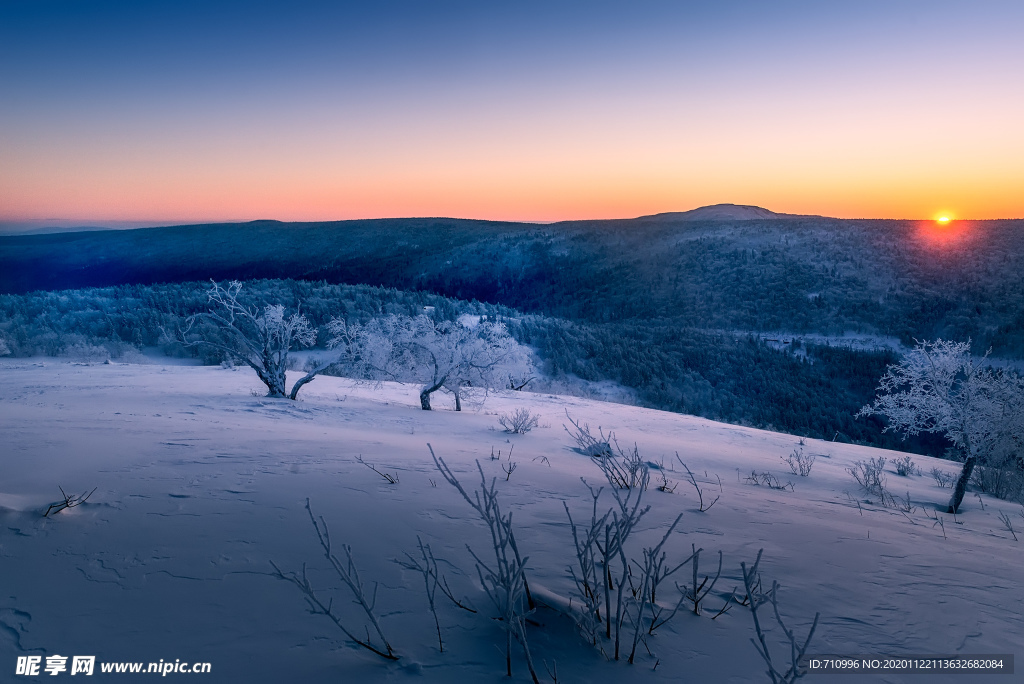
[900,278]
[812,391]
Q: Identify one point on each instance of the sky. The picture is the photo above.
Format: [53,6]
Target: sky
[128,113]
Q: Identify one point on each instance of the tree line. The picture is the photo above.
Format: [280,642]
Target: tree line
[828,276]
[736,379]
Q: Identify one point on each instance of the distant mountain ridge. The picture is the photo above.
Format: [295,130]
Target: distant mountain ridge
[724,212]
[711,212]
[727,267]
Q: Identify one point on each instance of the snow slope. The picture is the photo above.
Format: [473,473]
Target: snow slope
[200,485]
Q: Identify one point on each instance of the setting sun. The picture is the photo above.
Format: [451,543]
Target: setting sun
[943,219]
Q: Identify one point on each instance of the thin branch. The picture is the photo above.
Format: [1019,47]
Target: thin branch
[388,477]
[68,502]
[349,574]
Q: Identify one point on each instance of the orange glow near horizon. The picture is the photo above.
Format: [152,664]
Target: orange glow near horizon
[947,235]
[512,111]
[567,185]
[587,159]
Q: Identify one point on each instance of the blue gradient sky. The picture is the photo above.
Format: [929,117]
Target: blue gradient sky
[192,111]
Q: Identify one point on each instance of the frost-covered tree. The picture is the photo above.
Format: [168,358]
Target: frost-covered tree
[4,349]
[439,355]
[259,338]
[939,387]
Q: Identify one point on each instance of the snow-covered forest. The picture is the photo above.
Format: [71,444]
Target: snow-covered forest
[805,389]
[813,275]
[427,506]
[376,483]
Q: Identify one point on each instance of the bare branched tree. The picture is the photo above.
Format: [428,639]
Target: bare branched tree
[518,422]
[939,387]
[616,532]
[698,592]
[645,593]
[703,507]
[439,355]
[426,565]
[349,575]
[504,579]
[751,583]
[591,577]
[259,338]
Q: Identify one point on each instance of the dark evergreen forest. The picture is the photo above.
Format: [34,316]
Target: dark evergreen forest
[904,279]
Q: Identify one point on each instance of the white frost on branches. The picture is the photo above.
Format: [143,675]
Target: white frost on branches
[438,355]
[261,339]
[939,387]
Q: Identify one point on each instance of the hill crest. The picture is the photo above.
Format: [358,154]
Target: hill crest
[724,212]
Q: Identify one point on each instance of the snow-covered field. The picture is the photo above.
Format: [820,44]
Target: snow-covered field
[200,485]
